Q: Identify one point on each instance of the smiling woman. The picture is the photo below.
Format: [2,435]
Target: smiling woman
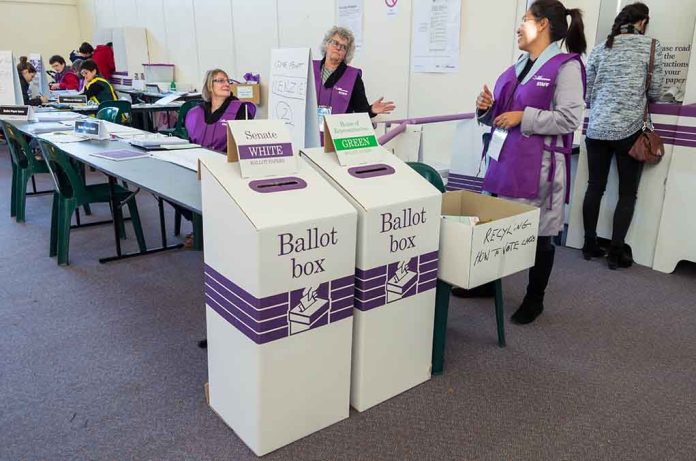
[534,109]
[340,89]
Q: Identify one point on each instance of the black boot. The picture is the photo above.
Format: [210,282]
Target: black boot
[591,249]
[619,256]
[533,304]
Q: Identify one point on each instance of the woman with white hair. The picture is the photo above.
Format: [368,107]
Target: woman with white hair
[340,89]
[205,123]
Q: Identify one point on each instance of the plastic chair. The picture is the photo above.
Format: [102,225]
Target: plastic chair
[179,129]
[443,290]
[24,167]
[123,106]
[71,192]
[110,114]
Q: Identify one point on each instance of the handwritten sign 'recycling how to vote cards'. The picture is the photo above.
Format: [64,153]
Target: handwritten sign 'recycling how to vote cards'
[262,147]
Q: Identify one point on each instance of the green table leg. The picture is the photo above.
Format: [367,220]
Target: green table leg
[499,312]
[197,221]
[442,297]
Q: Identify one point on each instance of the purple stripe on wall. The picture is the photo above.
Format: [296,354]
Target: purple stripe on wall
[368,284]
[370,273]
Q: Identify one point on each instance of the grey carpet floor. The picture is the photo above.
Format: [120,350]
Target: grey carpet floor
[100,362]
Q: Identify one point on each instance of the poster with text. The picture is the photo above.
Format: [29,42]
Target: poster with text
[435,35]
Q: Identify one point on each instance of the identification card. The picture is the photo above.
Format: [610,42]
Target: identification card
[321,112]
[496,144]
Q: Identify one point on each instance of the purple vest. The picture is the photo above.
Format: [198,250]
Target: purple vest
[516,173]
[337,97]
[214,136]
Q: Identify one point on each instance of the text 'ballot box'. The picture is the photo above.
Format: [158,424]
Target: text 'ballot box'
[396,272]
[279,282]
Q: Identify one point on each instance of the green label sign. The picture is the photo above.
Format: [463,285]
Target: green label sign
[357,142]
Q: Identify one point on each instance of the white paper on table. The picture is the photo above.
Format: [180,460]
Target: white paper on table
[167,99]
[350,15]
[151,140]
[56,116]
[436,28]
[47,127]
[61,137]
[187,158]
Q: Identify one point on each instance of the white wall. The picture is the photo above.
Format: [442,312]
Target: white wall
[46,27]
[237,35]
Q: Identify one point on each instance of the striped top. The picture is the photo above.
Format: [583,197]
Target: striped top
[616,86]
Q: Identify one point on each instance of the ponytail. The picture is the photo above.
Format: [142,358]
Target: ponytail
[575,40]
[556,13]
[629,15]
[24,64]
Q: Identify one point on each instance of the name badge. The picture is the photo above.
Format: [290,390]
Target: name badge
[321,112]
[496,144]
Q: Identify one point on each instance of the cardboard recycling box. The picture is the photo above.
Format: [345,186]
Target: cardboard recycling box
[396,272]
[502,243]
[279,281]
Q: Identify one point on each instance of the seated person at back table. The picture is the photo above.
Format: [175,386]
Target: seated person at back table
[65,78]
[205,123]
[97,88]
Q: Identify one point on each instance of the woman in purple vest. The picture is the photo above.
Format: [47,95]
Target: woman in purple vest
[205,124]
[535,107]
[616,74]
[340,89]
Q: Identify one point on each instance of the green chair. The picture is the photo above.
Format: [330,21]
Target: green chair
[71,192]
[24,167]
[443,290]
[123,106]
[179,129]
[110,114]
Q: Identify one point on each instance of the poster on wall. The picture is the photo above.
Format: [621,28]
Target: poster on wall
[435,35]
[349,14]
[291,97]
[675,62]
[10,91]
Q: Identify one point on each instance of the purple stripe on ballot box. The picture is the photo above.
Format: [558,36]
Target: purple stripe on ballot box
[365,274]
[258,303]
[259,151]
[427,266]
[340,315]
[369,294]
[432,256]
[427,276]
[281,315]
[427,286]
[372,283]
[367,305]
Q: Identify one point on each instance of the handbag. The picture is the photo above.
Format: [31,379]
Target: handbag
[648,147]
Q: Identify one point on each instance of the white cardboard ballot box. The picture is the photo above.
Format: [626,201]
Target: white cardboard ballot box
[396,272]
[502,243]
[279,284]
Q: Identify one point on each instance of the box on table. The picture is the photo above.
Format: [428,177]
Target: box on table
[396,272]
[279,283]
[502,243]
[247,92]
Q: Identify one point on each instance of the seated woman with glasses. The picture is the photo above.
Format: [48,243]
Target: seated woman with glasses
[97,88]
[340,89]
[205,123]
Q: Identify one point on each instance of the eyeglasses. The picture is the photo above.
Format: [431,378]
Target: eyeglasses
[222,80]
[525,19]
[338,45]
